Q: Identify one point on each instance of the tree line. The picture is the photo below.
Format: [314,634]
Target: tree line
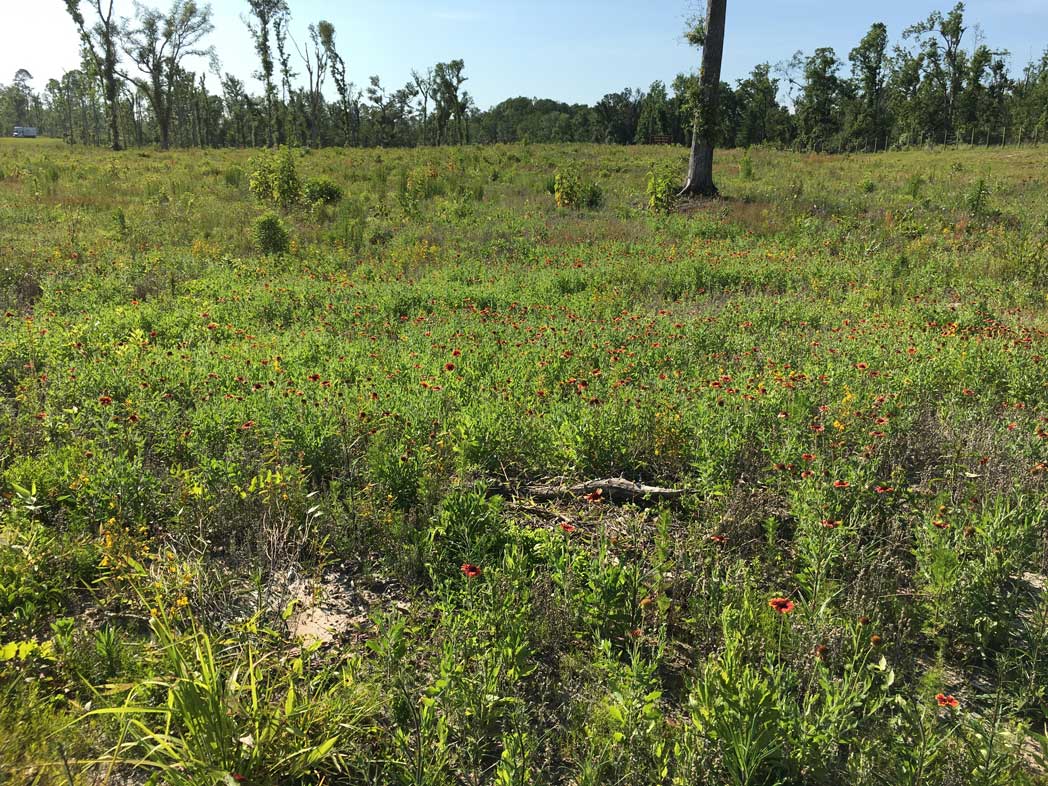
[938,82]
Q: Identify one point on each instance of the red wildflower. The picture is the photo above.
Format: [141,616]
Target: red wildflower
[884,489]
[449,366]
[105,401]
[595,495]
[247,425]
[567,527]
[719,539]
[781,605]
[946,700]
[841,484]
[470,571]
[831,523]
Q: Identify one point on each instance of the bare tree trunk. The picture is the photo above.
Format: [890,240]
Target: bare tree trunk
[704,132]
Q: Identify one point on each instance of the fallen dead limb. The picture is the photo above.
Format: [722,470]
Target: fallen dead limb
[616,490]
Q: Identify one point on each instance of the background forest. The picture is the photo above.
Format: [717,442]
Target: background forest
[938,81]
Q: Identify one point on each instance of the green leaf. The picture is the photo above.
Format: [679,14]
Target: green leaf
[322,750]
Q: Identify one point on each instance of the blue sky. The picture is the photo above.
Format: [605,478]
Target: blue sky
[570,50]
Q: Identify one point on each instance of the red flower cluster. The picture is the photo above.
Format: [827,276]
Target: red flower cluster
[946,700]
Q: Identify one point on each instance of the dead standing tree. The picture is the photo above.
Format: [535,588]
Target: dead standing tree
[710,36]
[100,44]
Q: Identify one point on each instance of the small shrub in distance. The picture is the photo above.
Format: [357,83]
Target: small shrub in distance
[270,235]
[261,181]
[592,196]
[977,198]
[567,188]
[912,188]
[571,191]
[746,166]
[661,193]
[275,180]
[322,191]
[287,189]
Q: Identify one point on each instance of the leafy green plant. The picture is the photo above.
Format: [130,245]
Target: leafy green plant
[736,708]
[913,185]
[270,235]
[571,191]
[660,190]
[468,530]
[925,734]
[229,713]
[275,179]
[977,198]
[322,191]
[746,165]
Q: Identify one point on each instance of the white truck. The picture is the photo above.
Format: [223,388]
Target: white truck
[27,132]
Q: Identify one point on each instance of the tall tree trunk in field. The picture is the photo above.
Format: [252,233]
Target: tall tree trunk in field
[704,132]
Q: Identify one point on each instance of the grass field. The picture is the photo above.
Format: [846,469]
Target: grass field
[306,518]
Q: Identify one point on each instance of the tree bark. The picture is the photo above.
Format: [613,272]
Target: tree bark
[704,132]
